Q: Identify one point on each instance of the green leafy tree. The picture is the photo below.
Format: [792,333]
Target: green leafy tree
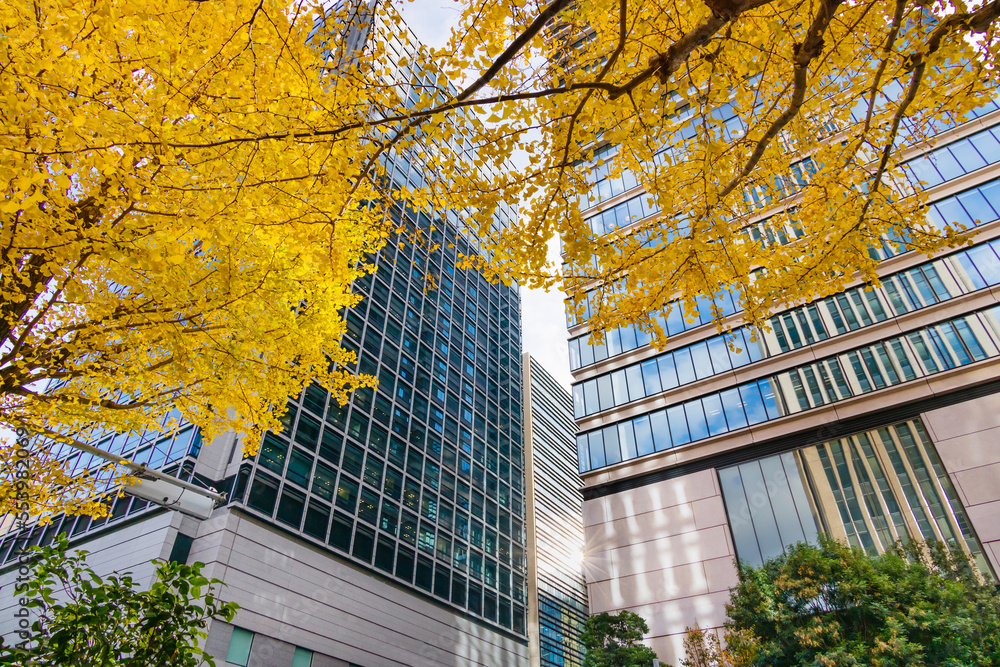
[106,621]
[703,649]
[830,604]
[612,641]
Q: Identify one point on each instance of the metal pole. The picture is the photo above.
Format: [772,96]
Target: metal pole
[143,472]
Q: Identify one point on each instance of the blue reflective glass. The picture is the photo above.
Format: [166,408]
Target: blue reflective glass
[986,262]
[661,430]
[685,368]
[679,434]
[628,338]
[636,388]
[668,374]
[643,435]
[741,355]
[626,440]
[604,392]
[697,425]
[590,397]
[579,407]
[719,352]
[987,145]
[620,387]
[753,404]
[651,377]
[675,320]
[967,155]
[953,212]
[770,401]
[701,359]
[946,164]
[597,457]
[714,415]
[582,452]
[612,448]
[977,206]
[922,170]
[733,405]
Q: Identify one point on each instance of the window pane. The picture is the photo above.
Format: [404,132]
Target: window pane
[685,369]
[239,647]
[661,430]
[303,657]
[733,406]
[668,374]
[612,449]
[643,435]
[679,433]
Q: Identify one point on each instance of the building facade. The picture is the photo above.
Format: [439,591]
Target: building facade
[387,531]
[557,593]
[870,415]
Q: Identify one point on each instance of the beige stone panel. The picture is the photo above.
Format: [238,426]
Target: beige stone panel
[649,588]
[716,445]
[992,550]
[669,649]
[979,414]
[980,485]
[808,419]
[662,494]
[969,451]
[595,512]
[965,376]
[597,566]
[642,527]
[666,552]
[709,512]
[985,519]
[671,618]
[721,574]
[879,400]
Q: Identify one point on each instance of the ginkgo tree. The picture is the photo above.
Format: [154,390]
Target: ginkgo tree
[191,187]
[167,242]
[741,120]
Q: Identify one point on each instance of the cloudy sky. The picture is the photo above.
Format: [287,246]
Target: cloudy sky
[543,321]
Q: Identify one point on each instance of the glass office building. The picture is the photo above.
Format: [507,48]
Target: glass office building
[868,415]
[422,479]
[557,593]
[420,482]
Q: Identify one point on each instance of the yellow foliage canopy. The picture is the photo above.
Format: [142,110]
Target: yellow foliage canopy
[741,119]
[189,193]
[166,241]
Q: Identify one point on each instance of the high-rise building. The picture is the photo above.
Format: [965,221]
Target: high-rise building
[871,415]
[557,594]
[389,531]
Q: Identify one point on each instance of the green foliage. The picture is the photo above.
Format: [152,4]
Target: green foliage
[833,605]
[703,649]
[84,620]
[611,641]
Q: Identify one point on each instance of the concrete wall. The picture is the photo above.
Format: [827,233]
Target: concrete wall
[664,552]
[967,437]
[293,594]
[301,596]
[127,549]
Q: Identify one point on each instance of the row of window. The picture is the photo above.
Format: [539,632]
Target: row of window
[604,186]
[463,577]
[900,293]
[121,506]
[871,490]
[890,362]
[420,479]
[978,205]
[241,644]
